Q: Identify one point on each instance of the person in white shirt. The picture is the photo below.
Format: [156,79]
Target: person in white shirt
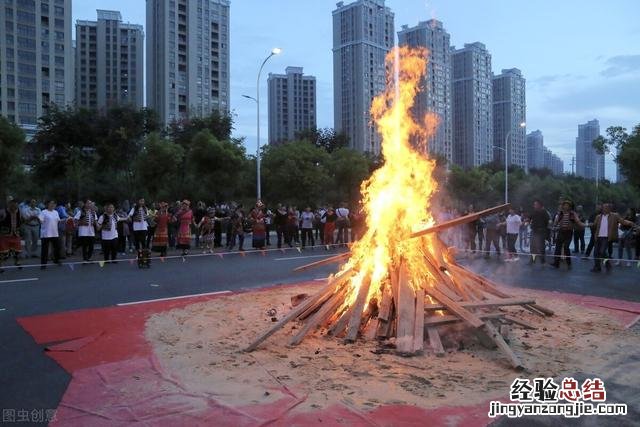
[49,220]
[306,221]
[108,226]
[513,229]
[86,221]
[342,224]
[138,215]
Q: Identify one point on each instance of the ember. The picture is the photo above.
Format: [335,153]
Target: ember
[400,280]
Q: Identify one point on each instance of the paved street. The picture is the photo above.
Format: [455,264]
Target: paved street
[30,379]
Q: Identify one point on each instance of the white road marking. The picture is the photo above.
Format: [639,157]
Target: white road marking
[303,257]
[321,279]
[154,285]
[172,298]
[2,309]
[32,279]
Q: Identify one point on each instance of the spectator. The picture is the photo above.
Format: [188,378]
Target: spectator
[307,218]
[329,226]
[199,213]
[10,241]
[237,228]
[49,220]
[578,233]
[524,231]
[86,220]
[151,222]
[342,223]
[539,222]
[514,221]
[108,226]
[280,222]
[268,221]
[62,212]
[124,232]
[31,229]
[292,227]
[139,215]
[205,229]
[320,221]
[565,222]
[591,222]
[606,232]
[69,231]
[626,235]
[357,224]
[492,223]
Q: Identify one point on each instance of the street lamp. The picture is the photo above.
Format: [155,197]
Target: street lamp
[274,51]
[507,142]
[597,177]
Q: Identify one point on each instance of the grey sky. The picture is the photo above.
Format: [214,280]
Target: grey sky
[581,59]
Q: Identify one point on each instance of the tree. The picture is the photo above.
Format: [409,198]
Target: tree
[349,168]
[628,149]
[325,138]
[12,142]
[157,168]
[296,172]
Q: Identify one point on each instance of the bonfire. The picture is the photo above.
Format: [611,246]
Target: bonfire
[400,282]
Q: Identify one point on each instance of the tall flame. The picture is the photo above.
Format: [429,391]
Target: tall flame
[396,198]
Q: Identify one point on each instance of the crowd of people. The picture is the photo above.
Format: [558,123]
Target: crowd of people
[58,230]
[61,229]
[540,234]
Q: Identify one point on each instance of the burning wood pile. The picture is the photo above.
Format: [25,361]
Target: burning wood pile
[401,283]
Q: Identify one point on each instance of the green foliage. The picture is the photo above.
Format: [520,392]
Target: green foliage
[325,138]
[158,167]
[348,169]
[11,149]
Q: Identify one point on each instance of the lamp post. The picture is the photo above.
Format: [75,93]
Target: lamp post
[597,177]
[274,51]
[507,142]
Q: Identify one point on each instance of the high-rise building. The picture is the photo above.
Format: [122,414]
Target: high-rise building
[292,104]
[552,162]
[535,150]
[509,112]
[109,62]
[472,105]
[187,57]
[36,59]
[589,164]
[363,33]
[435,90]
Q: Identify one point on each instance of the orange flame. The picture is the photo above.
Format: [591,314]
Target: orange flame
[396,198]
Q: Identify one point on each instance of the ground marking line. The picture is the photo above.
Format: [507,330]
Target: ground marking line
[32,279]
[172,298]
[303,257]
[2,309]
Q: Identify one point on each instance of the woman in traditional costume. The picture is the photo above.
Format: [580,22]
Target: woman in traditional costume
[205,228]
[185,220]
[10,234]
[258,226]
[161,233]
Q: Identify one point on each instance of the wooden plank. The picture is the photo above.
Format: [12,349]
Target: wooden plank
[338,327]
[342,278]
[328,289]
[456,308]
[330,260]
[418,323]
[520,322]
[496,302]
[385,304]
[358,307]
[493,333]
[406,313]
[461,220]
[327,309]
[449,318]
[434,341]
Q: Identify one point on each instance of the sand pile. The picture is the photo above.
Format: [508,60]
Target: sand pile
[201,345]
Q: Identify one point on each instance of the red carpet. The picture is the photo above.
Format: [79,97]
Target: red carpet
[116,380]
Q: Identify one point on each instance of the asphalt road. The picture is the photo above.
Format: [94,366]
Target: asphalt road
[30,379]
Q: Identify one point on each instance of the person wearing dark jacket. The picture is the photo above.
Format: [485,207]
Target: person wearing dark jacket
[539,223]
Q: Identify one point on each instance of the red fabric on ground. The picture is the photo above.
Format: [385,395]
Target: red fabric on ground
[117,381]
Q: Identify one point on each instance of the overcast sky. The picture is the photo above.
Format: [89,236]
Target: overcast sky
[581,58]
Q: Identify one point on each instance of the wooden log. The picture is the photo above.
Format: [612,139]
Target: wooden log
[327,309]
[358,307]
[519,322]
[406,313]
[330,260]
[461,220]
[493,333]
[434,341]
[338,327]
[496,302]
[341,279]
[449,318]
[456,308]
[328,289]
[418,323]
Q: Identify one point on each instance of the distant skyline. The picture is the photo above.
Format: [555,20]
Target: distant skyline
[581,59]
